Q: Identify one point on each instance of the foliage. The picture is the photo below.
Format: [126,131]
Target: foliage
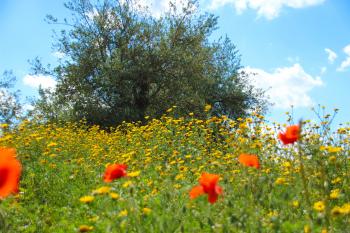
[123,64]
[9,100]
[62,187]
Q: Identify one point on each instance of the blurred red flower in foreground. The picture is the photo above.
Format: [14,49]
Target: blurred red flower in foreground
[291,135]
[114,171]
[249,160]
[208,185]
[10,172]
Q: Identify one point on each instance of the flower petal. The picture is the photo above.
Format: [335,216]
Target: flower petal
[10,171]
[249,160]
[212,198]
[196,191]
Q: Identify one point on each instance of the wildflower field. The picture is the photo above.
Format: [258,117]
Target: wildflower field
[178,175]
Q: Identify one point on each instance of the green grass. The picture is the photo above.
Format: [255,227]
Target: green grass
[64,162]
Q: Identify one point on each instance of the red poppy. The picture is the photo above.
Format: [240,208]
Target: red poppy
[114,171]
[208,185]
[291,135]
[249,160]
[10,172]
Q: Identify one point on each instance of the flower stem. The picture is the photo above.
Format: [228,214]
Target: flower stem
[3,227]
[303,175]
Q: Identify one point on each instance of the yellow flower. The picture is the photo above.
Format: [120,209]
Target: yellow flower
[345,208]
[146,210]
[207,108]
[332,149]
[334,194]
[179,176]
[280,180]
[154,191]
[286,164]
[295,204]
[114,196]
[85,228]
[52,144]
[127,184]
[267,170]
[134,174]
[272,213]
[332,158]
[336,180]
[336,211]
[307,229]
[341,131]
[123,213]
[4,126]
[86,199]
[102,190]
[319,206]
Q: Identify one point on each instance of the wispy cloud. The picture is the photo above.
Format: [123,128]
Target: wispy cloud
[269,9]
[35,81]
[286,86]
[331,55]
[346,63]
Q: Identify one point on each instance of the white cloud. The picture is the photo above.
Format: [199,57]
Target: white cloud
[269,9]
[323,70]
[347,50]
[331,55]
[35,81]
[346,63]
[286,86]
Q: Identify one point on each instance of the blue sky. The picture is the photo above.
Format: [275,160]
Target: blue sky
[300,50]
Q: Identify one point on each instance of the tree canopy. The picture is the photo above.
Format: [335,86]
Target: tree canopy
[10,107]
[121,63]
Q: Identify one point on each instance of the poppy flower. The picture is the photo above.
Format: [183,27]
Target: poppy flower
[291,135]
[208,185]
[249,160]
[10,171]
[114,171]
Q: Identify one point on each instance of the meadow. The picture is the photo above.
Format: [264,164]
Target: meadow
[300,186]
